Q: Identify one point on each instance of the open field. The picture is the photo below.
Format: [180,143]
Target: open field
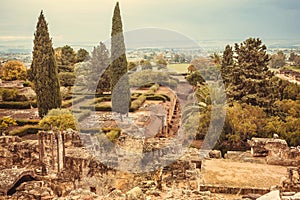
[238,174]
[178,67]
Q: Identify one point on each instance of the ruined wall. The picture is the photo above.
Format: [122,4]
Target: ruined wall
[276,151]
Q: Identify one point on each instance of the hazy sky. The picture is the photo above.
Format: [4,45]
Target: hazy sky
[79,21]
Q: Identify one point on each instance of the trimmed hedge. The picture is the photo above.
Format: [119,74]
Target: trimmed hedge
[24,122]
[136,104]
[16,105]
[83,114]
[157,98]
[69,103]
[26,130]
[101,99]
[97,108]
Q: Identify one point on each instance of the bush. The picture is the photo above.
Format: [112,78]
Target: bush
[14,70]
[12,95]
[6,123]
[67,78]
[23,122]
[157,98]
[136,104]
[16,105]
[154,88]
[28,84]
[81,115]
[113,135]
[60,118]
[26,130]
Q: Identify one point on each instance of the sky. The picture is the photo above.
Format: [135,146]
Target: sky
[89,21]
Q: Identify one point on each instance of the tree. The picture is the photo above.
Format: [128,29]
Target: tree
[227,64]
[145,64]
[14,70]
[277,60]
[99,77]
[216,59]
[227,59]
[249,80]
[161,62]
[82,55]
[44,70]
[118,69]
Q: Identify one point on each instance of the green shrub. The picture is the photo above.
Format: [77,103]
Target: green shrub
[23,122]
[113,135]
[136,104]
[102,99]
[67,78]
[82,115]
[16,105]
[154,88]
[25,130]
[12,95]
[60,118]
[6,123]
[157,98]
[28,84]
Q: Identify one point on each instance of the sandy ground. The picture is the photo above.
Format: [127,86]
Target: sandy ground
[228,173]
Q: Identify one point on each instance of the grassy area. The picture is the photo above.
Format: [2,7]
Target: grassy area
[181,68]
[297,69]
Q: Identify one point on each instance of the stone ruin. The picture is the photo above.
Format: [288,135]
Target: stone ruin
[276,151]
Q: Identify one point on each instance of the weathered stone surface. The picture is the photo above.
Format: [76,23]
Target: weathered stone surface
[135,194]
[215,154]
[274,195]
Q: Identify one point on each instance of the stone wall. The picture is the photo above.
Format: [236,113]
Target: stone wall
[276,151]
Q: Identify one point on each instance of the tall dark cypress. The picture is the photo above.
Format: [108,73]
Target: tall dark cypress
[44,69]
[118,70]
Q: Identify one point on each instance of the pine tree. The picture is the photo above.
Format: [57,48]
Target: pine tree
[249,79]
[44,69]
[99,64]
[227,65]
[118,70]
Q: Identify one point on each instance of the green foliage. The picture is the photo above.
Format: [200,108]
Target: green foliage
[10,95]
[16,105]
[195,78]
[6,123]
[146,77]
[248,81]
[98,66]
[113,135]
[62,119]
[68,56]
[132,66]
[44,70]
[82,55]
[227,59]
[118,69]
[26,130]
[278,60]
[67,78]
[13,70]
[145,64]
[136,104]
[243,123]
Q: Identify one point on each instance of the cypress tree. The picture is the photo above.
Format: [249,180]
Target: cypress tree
[44,69]
[118,69]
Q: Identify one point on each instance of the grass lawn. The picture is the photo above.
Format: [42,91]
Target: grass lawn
[297,69]
[178,67]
